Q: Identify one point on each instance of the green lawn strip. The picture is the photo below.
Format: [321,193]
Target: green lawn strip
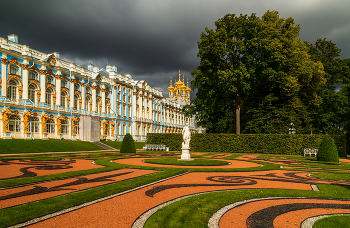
[333,176]
[36,146]
[175,161]
[25,212]
[195,211]
[118,144]
[333,221]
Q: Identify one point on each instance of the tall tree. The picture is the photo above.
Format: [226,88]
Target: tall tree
[257,68]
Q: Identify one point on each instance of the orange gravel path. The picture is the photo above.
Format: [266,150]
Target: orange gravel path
[123,210]
[19,195]
[237,217]
[41,168]
[235,164]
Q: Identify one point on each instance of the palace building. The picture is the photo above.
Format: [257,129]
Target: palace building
[45,97]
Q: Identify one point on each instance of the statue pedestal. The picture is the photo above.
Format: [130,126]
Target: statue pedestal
[186,154]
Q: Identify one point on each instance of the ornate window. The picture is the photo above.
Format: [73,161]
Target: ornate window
[98,93]
[76,100]
[124,100]
[64,97]
[76,128]
[76,86]
[64,127]
[50,126]
[49,79]
[12,90]
[49,96]
[31,92]
[88,90]
[34,121]
[87,103]
[108,129]
[64,83]
[15,123]
[13,69]
[33,75]
[129,111]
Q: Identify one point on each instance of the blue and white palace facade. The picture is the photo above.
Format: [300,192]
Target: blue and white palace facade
[45,97]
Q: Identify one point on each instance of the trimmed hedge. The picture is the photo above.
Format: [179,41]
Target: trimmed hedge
[128,145]
[247,143]
[328,151]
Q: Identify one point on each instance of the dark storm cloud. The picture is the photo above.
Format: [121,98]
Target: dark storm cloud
[153,39]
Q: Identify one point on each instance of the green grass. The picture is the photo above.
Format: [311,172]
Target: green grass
[195,211]
[118,144]
[333,176]
[195,162]
[36,146]
[333,221]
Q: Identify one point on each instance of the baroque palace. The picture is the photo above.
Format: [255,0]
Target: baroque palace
[45,97]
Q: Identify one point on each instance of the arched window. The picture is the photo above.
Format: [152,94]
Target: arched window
[13,69]
[12,90]
[108,129]
[64,84]
[76,128]
[15,123]
[118,129]
[87,103]
[31,92]
[64,127]
[98,103]
[64,97]
[76,100]
[50,126]
[32,75]
[49,96]
[49,79]
[34,121]
[88,90]
[76,86]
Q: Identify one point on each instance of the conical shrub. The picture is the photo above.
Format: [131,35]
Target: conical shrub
[128,145]
[328,151]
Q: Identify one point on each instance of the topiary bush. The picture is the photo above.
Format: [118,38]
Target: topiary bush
[128,145]
[328,151]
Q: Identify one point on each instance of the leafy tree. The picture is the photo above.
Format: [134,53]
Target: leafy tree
[128,145]
[255,68]
[331,118]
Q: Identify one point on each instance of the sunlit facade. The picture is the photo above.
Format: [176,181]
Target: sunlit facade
[45,97]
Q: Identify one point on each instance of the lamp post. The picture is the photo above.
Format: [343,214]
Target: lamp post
[292,130]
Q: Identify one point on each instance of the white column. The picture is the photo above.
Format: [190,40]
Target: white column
[134,114]
[104,101]
[94,99]
[71,92]
[83,97]
[151,109]
[58,88]
[3,77]
[112,99]
[25,82]
[43,85]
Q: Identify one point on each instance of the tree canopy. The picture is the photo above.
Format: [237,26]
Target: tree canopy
[256,76]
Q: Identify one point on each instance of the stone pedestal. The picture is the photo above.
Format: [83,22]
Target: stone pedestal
[186,154]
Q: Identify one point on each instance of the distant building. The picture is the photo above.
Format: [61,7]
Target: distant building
[45,97]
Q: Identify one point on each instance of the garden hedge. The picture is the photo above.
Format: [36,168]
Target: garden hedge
[247,143]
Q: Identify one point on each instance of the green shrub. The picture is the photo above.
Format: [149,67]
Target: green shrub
[128,145]
[328,151]
[171,140]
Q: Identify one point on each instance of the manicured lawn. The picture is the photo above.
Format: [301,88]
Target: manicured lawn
[118,144]
[332,222]
[333,176]
[196,162]
[9,146]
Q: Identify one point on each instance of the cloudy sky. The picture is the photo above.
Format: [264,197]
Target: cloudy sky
[153,39]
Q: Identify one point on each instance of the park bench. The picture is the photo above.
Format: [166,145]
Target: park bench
[310,152]
[156,147]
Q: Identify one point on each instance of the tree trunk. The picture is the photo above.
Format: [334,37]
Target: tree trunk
[238,114]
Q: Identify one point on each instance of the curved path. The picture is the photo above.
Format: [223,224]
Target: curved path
[235,164]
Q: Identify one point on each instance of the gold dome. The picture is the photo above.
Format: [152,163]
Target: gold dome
[171,88]
[188,89]
[179,83]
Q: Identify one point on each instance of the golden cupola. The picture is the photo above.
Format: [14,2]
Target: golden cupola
[171,88]
[188,89]
[179,83]
[183,87]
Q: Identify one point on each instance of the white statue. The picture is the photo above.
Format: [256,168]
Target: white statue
[186,134]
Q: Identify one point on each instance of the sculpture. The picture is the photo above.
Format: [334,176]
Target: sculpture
[26,120]
[186,134]
[59,124]
[44,118]
[6,113]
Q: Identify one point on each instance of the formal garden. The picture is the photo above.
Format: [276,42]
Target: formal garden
[241,184]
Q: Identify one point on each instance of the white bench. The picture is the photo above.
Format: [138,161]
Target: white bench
[310,152]
[155,147]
